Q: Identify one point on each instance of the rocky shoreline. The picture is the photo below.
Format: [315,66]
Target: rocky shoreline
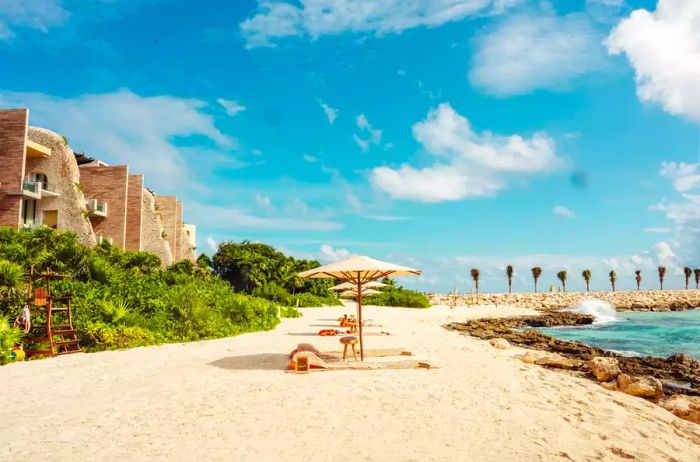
[672,382]
[632,300]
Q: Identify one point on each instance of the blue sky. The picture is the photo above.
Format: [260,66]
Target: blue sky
[444,134]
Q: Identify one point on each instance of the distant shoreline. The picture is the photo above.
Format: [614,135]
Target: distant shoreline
[630,300]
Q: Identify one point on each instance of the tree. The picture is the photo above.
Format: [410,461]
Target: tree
[536,273]
[11,284]
[687,272]
[697,278]
[562,277]
[613,278]
[509,274]
[475,276]
[638,278]
[662,274]
[587,277]
[204,261]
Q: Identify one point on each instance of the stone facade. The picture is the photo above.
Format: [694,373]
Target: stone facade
[152,231]
[134,213]
[166,206]
[13,135]
[67,210]
[633,300]
[109,184]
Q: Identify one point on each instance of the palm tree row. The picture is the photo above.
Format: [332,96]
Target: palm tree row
[587,276]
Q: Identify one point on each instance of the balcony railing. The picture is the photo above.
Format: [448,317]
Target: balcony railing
[35,190]
[95,208]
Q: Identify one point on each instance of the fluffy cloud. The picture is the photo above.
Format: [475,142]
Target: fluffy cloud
[369,135]
[314,18]
[663,47]
[232,107]
[563,211]
[467,164]
[39,15]
[534,51]
[125,128]
[684,176]
[263,201]
[329,254]
[331,113]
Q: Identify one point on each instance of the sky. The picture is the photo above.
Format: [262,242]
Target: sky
[441,134]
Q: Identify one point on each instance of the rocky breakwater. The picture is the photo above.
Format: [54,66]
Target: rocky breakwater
[672,382]
[633,300]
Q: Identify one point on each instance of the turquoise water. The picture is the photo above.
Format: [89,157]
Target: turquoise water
[641,334]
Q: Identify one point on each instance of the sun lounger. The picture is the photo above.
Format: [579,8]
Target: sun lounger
[318,364]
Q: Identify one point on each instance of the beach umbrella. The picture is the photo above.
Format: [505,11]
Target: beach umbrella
[359,271]
[365,292]
[350,285]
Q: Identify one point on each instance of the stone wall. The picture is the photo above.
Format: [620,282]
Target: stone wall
[108,184]
[642,300]
[134,212]
[63,175]
[13,135]
[166,206]
[152,231]
[186,249]
[178,252]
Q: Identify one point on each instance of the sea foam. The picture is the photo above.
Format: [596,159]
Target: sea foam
[602,311]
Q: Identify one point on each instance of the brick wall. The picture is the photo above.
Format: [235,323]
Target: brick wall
[13,136]
[108,184]
[134,213]
[166,206]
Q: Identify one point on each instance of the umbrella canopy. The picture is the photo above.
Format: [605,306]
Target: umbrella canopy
[365,292]
[359,271]
[350,285]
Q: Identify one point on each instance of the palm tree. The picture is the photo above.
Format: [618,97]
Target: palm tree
[638,277]
[662,274]
[697,278]
[536,273]
[475,275]
[688,272]
[11,283]
[562,277]
[509,273]
[613,278]
[587,277]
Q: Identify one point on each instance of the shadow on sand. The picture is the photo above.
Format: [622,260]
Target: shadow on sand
[257,362]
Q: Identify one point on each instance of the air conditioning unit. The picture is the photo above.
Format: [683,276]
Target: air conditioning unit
[101,239]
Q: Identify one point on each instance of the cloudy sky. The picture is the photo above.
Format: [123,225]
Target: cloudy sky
[444,134]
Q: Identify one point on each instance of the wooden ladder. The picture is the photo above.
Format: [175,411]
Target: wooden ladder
[61,336]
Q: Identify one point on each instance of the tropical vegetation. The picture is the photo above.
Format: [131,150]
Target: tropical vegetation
[536,273]
[561,275]
[613,279]
[475,276]
[509,275]
[587,277]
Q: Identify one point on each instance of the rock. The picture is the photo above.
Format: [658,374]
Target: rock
[529,357]
[644,387]
[685,407]
[500,343]
[612,385]
[559,361]
[604,369]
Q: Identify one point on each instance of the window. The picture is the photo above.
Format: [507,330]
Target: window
[28,212]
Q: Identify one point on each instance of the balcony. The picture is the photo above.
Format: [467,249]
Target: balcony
[35,190]
[95,208]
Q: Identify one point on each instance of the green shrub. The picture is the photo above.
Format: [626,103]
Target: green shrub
[399,297]
[290,312]
[9,337]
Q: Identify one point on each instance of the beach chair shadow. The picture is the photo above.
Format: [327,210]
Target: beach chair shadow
[256,362]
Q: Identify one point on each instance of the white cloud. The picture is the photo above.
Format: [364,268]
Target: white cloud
[331,113]
[370,135]
[309,158]
[663,47]
[125,128]
[39,15]
[314,18]
[535,51]
[263,201]
[329,254]
[563,211]
[213,245]
[684,176]
[467,164]
[232,107]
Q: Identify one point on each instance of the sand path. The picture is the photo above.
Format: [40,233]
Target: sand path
[228,400]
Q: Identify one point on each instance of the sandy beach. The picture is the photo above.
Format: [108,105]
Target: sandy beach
[229,399]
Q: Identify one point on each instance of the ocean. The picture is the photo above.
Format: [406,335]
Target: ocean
[659,334]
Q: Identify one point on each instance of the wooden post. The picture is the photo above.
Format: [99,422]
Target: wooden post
[359,316]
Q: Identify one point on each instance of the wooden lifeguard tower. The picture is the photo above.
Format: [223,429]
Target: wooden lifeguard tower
[52,317]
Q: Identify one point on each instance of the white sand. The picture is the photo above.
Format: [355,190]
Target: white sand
[228,400]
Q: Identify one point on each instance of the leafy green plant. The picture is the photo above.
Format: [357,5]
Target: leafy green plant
[9,337]
[398,297]
[290,312]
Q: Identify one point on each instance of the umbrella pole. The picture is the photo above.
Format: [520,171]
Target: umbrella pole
[359,317]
